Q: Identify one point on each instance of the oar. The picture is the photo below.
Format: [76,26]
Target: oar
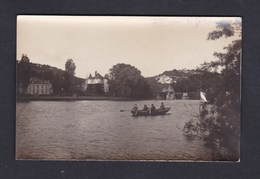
[123,110]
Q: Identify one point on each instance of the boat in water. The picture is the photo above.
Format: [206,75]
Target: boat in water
[157,112]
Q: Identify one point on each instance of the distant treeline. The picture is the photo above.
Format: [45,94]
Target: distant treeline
[62,82]
[187,81]
[124,80]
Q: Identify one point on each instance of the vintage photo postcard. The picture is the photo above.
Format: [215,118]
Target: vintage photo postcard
[128,88]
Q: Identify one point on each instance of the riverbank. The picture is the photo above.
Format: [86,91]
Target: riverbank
[71,98]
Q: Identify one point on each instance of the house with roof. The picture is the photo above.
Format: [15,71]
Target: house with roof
[96,84]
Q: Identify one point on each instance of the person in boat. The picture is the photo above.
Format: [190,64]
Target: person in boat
[152,109]
[145,108]
[162,106]
[135,109]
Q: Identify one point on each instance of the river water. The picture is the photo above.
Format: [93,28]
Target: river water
[97,130]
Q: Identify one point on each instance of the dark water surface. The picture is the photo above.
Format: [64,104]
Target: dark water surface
[98,130]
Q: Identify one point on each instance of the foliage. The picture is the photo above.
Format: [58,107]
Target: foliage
[178,74]
[197,82]
[224,28]
[69,77]
[70,67]
[58,81]
[220,117]
[23,72]
[26,69]
[127,81]
[184,81]
[155,87]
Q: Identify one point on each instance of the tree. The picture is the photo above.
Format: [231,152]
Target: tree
[221,116]
[23,73]
[197,82]
[69,76]
[70,67]
[127,81]
[57,83]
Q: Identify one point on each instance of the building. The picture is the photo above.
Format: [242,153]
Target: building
[97,84]
[40,87]
[185,96]
[167,93]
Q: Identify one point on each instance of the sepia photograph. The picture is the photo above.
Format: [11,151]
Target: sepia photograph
[128,88]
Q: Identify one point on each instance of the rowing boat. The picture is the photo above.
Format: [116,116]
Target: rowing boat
[157,112]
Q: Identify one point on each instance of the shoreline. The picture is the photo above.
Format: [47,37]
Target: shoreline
[73,98]
[79,98]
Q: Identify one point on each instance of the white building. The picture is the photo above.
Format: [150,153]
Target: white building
[40,87]
[96,84]
[185,96]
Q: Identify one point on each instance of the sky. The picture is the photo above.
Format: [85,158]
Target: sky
[96,43]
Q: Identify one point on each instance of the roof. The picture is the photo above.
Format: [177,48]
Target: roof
[98,76]
[90,76]
[36,80]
